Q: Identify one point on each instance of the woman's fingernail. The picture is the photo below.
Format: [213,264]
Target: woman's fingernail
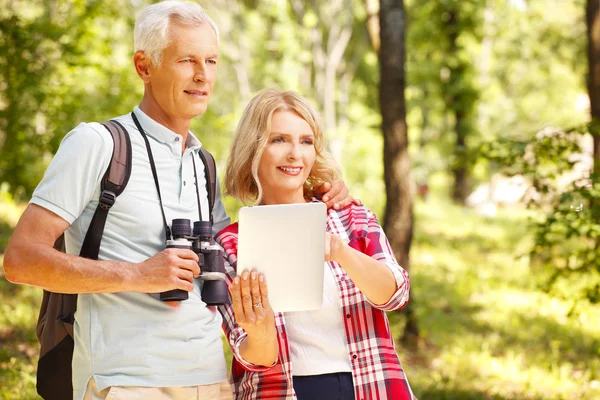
[245,276]
[261,278]
[326,198]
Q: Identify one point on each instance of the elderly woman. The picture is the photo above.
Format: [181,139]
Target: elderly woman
[344,350]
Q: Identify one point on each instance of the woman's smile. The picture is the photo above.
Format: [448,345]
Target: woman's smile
[294,171]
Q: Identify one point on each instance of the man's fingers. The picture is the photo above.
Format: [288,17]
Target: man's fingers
[183,284]
[322,190]
[182,258]
[185,275]
[342,198]
[191,266]
[182,253]
[331,196]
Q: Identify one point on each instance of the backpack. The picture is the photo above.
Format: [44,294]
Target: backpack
[54,328]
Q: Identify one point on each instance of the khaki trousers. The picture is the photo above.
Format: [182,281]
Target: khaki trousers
[201,392]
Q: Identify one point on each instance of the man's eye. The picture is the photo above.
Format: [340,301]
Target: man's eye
[212,61]
[187,60]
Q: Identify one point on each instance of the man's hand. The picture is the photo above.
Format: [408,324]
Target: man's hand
[168,270]
[335,195]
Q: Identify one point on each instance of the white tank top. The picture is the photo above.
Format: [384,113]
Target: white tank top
[317,339]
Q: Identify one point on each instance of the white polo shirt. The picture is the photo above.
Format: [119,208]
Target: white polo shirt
[132,339]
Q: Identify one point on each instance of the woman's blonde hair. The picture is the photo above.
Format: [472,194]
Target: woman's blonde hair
[252,134]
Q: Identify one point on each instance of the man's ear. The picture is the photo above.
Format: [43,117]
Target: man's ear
[142,65]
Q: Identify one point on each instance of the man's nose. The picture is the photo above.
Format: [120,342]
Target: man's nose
[200,72]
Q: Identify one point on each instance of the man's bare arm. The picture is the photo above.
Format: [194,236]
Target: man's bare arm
[31,259]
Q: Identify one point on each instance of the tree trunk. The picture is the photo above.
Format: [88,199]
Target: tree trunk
[593,30]
[398,220]
[460,190]
[457,103]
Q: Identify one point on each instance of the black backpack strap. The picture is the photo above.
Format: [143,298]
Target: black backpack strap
[113,183]
[210,173]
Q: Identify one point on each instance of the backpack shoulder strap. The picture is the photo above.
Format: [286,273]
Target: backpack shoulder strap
[55,323]
[210,172]
[119,170]
[112,185]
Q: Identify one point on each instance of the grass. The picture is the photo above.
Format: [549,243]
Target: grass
[487,331]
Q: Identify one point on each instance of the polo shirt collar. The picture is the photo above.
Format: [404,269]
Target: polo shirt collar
[161,132]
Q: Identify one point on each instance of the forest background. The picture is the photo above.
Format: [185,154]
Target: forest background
[496,216]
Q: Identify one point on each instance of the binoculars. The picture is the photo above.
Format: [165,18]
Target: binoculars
[214,290]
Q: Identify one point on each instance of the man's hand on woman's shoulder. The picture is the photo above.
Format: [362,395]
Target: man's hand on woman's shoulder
[335,195]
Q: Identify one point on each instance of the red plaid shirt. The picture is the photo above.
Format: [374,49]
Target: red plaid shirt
[376,369]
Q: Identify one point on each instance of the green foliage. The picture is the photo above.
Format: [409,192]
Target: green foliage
[488,333]
[52,71]
[518,67]
[567,228]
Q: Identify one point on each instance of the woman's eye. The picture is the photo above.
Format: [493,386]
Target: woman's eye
[277,140]
[308,142]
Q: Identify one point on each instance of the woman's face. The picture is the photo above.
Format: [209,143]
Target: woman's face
[287,159]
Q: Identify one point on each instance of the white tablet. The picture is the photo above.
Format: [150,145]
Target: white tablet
[285,242]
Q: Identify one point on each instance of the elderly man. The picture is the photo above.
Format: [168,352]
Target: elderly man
[128,345]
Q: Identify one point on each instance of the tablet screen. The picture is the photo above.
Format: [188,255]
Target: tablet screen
[285,242]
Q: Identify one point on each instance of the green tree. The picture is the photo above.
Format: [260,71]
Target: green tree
[51,72]
[398,220]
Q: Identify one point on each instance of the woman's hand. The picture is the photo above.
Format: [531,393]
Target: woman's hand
[373,278]
[250,300]
[334,247]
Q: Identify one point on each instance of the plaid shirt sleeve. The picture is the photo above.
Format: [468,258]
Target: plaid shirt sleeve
[235,334]
[376,369]
[368,237]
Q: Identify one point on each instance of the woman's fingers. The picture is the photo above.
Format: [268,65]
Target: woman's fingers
[257,304]
[250,299]
[247,298]
[236,299]
[264,292]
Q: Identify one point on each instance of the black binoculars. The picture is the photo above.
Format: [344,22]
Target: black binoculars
[214,290]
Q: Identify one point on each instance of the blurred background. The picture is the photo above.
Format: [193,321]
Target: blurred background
[496,216]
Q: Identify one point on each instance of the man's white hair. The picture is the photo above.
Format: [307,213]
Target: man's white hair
[151,32]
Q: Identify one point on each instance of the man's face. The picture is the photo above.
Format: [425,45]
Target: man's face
[184,81]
